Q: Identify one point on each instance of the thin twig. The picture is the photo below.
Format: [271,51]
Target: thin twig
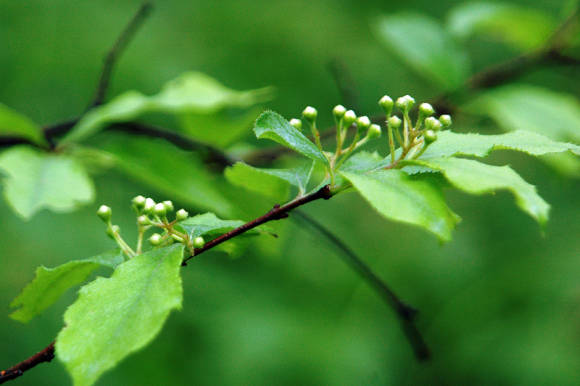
[405,313]
[276,213]
[112,56]
[45,355]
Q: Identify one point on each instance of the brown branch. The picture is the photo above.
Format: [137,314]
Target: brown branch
[120,44]
[45,355]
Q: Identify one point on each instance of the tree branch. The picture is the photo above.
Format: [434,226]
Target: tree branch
[112,56]
[45,355]
[405,313]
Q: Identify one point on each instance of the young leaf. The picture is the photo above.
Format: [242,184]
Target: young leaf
[36,180]
[191,92]
[524,107]
[177,174]
[273,126]
[13,124]
[208,223]
[425,46]
[50,284]
[453,144]
[522,27]
[115,317]
[274,183]
[478,178]
[398,196]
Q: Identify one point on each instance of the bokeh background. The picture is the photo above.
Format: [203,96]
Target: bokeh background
[500,304]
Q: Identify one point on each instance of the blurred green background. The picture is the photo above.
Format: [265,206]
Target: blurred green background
[500,304]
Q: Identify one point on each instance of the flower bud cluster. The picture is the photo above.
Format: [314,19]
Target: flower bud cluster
[152,214]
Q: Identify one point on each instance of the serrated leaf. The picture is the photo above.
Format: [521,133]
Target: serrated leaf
[273,183]
[425,46]
[14,124]
[49,284]
[177,174]
[191,92]
[478,178]
[115,317]
[454,144]
[273,126]
[208,223]
[523,107]
[400,197]
[522,27]
[36,180]
[362,162]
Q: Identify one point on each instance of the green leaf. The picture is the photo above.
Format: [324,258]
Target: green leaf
[478,178]
[362,162]
[192,92]
[522,27]
[13,124]
[425,46]
[453,144]
[36,180]
[208,223]
[524,107]
[175,173]
[273,183]
[115,317]
[400,197]
[50,284]
[273,126]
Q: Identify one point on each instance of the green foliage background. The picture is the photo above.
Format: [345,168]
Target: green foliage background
[500,304]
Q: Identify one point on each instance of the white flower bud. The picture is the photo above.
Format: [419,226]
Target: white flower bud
[387,104]
[296,123]
[198,242]
[139,202]
[155,239]
[432,124]
[374,131]
[310,113]
[394,122]
[405,103]
[149,205]
[143,220]
[445,120]
[168,205]
[104,213]
[363,122]
[160,210]
[348,118]
[430,136]
[181,215]
[338,111]
[426,109]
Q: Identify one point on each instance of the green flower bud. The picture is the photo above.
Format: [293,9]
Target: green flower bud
[138,202]
[160,210]
[168,205]
[155,239]
[405,103]
[374,131]
[432,124]
[348,118]
[105,213]
[296,123]
[149,205]
[394,122]
[430,136]
[310,113]
[143,220]
[338,111]
[363,122]
[387,104]
[198,242]
[445,120]
[426,109]
[181,215]
[112,230]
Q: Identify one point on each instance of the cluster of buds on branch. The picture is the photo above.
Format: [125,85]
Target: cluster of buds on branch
[151,214]
[414,139]
[343,119]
